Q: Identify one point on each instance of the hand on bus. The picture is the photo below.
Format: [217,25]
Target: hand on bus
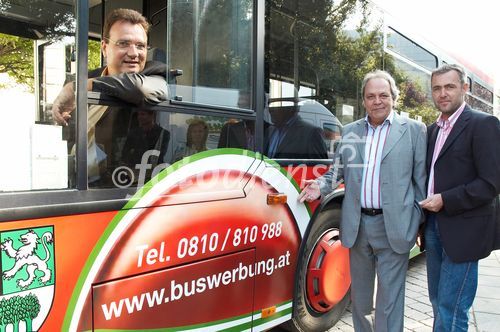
[64,104]
[433,203]
[310,192]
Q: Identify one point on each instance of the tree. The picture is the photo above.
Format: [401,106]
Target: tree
[29,308]
[10,312]
[16,59]
[94,54]
[330,51]
[2,315]
[413,99]
[17,53]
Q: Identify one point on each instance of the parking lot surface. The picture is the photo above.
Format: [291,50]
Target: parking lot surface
[485,312]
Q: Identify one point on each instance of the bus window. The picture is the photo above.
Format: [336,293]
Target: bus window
[409,49]
[482,92]
[478,104]
[414,85]
[329,125]
[293,133]
[332,133]
[38,39]
[132,145]
[129,145]
[318,61]
[211,42]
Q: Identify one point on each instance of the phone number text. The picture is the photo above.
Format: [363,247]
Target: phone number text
[209,243]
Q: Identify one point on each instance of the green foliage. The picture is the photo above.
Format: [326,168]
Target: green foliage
[31,306]
[334,52]
[2,312]
[16,309]
[332,45]
[10,312]
[94,54]
[412,99]
[426,111]
[17,59]
[17,53]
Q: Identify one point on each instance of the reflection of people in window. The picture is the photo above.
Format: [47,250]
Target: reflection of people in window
[147,136]
[332,132]
[237,134]
[196,139]
[292,137]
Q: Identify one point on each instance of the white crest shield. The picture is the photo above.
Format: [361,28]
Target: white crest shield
[27,278]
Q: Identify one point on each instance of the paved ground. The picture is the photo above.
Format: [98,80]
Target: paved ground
[485,313]
[486,308]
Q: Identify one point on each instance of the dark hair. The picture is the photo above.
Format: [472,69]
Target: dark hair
[449,67]
[125,15]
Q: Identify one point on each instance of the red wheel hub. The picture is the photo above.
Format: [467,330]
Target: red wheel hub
[328,277]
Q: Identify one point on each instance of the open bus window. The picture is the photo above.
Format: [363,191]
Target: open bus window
[129,145]
[37,41]
[211,42]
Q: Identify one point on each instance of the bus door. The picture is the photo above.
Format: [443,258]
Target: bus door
[178,243]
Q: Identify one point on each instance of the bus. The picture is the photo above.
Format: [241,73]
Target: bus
[144,229]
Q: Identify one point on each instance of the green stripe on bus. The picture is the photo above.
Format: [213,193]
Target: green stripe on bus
[182,328]
[235,328]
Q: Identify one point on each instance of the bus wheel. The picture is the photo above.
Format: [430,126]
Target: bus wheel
[322,290]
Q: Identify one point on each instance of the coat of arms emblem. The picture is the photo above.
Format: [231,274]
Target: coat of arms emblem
[27,278]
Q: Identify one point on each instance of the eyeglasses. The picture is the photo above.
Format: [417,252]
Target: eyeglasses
[125,44]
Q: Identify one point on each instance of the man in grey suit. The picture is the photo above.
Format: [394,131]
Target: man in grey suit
[381,160]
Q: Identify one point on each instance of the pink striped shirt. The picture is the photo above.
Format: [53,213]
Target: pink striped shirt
[374,146]
[445,127]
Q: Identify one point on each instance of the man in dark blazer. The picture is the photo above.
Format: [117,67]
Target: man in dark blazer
[463,163]
[237,134]
[291,137]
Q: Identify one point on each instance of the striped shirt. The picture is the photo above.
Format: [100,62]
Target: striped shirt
[445,127]
[375,142]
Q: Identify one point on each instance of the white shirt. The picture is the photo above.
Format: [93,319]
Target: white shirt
[374,146]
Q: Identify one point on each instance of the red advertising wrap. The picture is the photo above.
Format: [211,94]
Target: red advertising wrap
[200,247]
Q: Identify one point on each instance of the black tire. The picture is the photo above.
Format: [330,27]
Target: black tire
[305,317]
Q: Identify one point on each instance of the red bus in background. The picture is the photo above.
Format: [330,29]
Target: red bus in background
[133,235]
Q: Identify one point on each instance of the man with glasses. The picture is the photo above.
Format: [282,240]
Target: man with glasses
[127,76]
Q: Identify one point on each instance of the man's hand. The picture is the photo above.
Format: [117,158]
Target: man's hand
[310,192]
[64,105]
[432,203]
